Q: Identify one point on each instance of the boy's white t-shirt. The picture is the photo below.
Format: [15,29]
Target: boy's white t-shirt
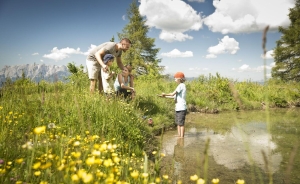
[180,96]
[107,82]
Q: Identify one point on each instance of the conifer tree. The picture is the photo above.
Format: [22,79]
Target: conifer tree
[142,54]
[287,51]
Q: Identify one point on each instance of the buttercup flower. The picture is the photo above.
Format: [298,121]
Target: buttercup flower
[194,177]
[39,130]
[240,181]
[215,181]
[200,181]
[37,173]
[134,174]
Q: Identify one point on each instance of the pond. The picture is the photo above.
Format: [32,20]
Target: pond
[257,146]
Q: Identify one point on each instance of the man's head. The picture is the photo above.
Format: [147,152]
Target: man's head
[108,59]
[125,43]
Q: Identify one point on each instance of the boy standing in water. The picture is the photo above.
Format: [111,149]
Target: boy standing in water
[180,102]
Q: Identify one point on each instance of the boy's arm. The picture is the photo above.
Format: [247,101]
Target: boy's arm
[169,95]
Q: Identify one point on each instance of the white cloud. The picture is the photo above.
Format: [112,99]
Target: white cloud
[42,60]
[90,48]
[238,16]
[60,54]
[226,45]
[123,17]
[199,1]
[34,54]
[198,69]
[247,68]
[269,54]
[177,53]
[210,56]
[173,17]
[170,37]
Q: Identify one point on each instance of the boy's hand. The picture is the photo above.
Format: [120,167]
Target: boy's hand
[162,95]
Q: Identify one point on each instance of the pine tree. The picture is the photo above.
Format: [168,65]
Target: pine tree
[287,51]
[142,54]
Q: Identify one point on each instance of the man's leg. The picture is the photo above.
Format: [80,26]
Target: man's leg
[100,85]
[92,85]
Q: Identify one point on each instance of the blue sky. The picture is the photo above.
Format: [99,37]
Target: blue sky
[196,37]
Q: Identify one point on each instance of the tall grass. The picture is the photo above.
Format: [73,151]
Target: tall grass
[60,133]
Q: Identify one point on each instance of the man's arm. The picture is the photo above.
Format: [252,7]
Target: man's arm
[119,63]
[99,55]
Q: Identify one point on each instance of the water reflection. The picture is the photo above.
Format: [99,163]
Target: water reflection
[242,144]
[237,144]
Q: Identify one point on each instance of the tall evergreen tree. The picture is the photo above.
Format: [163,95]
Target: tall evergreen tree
[287,51]
[142,54]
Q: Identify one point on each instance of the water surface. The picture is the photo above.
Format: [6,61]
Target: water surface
[241,145]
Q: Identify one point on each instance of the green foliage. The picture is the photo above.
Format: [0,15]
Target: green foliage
[142,52]
[287,51]
[80,117]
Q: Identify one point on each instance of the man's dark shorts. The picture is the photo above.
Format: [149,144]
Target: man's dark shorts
[180,117]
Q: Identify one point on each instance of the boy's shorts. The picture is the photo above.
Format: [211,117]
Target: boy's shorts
[93,69]
[180,117]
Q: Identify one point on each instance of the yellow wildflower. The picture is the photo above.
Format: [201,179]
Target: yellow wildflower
[194,177]
[39,130]
[200,181]
[215,181]
[74,177]
[134,174]
[37,173]
[240,181]
[116,159]
[36,165]
[90,161]
[87,178]
[103,147]
[145,175]
[165,177]
[157,180]
[19,161]
[96,153]
[47,165]
[76,143]
[107,162]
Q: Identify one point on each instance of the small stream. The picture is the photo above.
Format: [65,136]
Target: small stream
[240,145]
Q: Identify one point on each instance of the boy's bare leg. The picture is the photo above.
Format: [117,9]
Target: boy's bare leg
[179,131]
[182,131]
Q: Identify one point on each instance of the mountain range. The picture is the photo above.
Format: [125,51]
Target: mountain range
[35,72]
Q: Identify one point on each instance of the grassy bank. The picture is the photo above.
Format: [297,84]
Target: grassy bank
[59,133]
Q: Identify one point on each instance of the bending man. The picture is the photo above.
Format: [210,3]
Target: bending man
[94,60]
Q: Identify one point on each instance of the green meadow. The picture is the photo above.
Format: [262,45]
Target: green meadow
[60,133]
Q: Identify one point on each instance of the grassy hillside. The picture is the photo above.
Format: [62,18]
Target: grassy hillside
[60,133]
